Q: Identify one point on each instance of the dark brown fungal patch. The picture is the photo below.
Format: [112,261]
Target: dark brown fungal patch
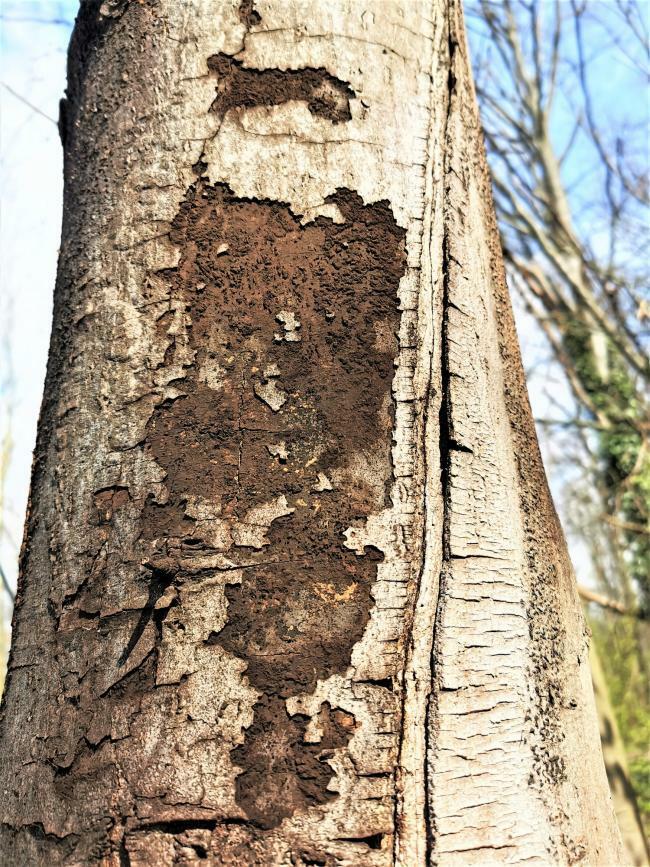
[248,15]
[240,87]
[281,771]
[309,312]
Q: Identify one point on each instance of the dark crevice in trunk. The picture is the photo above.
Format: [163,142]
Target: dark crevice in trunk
[372,841]
[447,445]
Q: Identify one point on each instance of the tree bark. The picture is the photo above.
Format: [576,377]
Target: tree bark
[293,590]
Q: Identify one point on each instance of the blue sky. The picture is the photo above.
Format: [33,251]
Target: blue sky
[33,42]
[616,71]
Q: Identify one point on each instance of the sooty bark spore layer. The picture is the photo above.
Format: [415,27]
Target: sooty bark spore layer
[248,15]
[294,329]
[238,86]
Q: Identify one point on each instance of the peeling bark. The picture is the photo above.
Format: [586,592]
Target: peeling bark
[292,589]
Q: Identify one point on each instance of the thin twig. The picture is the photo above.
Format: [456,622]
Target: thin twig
[6,585]
[28,103]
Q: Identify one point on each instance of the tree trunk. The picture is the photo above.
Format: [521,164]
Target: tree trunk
[293,590]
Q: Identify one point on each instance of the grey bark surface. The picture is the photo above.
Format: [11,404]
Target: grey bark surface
[293,590]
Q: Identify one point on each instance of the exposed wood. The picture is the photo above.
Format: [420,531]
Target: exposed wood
[292,590]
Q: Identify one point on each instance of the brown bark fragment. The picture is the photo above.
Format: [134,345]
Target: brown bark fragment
[281,771]
[108,500]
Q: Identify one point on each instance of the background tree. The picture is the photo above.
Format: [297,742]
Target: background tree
[287,592]
[572,199]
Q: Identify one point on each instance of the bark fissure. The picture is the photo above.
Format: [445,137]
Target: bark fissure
[444,455]
[484,699]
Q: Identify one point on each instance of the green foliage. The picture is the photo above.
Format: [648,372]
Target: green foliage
[620,642]
[640,774]
[624,468]
[624,456]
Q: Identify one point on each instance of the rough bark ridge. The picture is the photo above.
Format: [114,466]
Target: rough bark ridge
[292,589]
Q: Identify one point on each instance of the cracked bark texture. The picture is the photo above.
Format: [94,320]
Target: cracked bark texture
[292,590]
